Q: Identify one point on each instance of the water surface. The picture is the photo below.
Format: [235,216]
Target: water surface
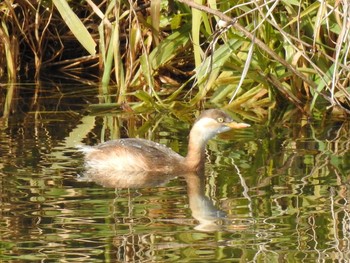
[269,194]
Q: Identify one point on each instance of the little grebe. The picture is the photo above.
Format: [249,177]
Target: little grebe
[142,155]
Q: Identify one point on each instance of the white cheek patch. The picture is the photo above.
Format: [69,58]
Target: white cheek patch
[205,129]
[209,127]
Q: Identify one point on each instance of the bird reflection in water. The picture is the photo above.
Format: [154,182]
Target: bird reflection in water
[209,217]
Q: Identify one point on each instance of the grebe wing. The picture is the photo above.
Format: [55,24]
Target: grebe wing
[142,146]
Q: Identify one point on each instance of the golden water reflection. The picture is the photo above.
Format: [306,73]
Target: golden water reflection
[273,193]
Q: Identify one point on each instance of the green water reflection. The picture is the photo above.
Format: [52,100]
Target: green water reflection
[269,194]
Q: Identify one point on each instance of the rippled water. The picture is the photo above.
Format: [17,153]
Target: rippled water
[269,194]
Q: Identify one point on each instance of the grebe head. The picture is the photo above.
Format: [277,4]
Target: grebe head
[212,122]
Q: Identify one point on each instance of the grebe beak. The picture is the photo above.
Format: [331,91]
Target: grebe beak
[237,125]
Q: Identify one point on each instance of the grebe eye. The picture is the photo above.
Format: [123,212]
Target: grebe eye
[220,120]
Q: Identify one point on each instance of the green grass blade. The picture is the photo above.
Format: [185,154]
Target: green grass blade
[196,25]
[155,19]
[76,26]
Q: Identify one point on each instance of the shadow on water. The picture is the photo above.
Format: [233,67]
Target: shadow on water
[275,194]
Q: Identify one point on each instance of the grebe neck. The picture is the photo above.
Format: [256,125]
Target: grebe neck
[195,157]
